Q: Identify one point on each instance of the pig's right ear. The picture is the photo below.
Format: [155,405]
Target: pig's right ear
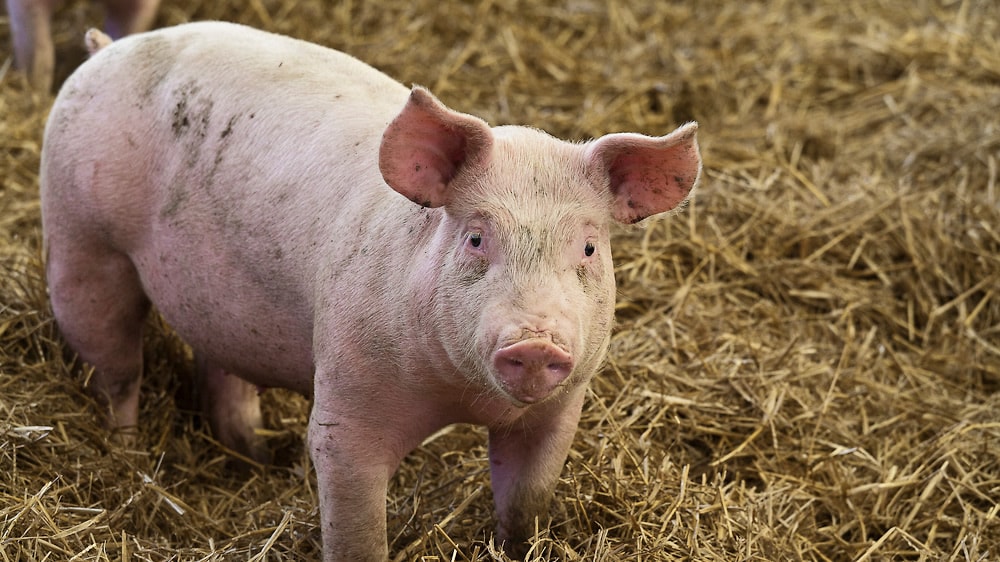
[646,175]
[427,144]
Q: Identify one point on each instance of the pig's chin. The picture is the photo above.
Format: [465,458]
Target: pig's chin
[525,398]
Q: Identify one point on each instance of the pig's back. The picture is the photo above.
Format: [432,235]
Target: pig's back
[219,158]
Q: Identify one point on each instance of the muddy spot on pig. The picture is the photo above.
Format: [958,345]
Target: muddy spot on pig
[177,195]
[154,53]
[192,111]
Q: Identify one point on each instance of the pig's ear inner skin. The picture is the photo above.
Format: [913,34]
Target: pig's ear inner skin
[646,175]
[427,144]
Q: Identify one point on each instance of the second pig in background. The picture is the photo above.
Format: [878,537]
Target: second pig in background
[31,29]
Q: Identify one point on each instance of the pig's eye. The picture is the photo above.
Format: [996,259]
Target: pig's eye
[475,239]
[588,249]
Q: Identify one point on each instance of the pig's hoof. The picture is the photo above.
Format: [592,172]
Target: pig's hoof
[515,549]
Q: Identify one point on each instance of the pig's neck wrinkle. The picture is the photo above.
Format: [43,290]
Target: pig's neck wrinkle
[452,405]
[423,278]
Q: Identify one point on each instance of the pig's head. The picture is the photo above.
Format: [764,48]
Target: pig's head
[525,292]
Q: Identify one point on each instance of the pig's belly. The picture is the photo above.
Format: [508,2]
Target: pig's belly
[244,321]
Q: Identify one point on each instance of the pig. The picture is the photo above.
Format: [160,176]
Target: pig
[304,221]
[30,22]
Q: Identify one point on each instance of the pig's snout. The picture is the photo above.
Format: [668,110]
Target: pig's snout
[531,369]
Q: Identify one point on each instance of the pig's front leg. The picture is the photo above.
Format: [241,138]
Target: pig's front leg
[525,463]
[354,457]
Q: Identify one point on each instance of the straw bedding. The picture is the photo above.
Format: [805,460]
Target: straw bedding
[806,364]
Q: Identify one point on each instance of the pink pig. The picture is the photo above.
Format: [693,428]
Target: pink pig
[304,221]
[31,20]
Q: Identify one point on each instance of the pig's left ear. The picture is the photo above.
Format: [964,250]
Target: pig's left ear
[646,175]
[427,144]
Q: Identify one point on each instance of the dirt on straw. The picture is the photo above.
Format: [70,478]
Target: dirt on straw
[806,364]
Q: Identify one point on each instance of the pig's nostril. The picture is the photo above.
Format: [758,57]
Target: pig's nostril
[560,368]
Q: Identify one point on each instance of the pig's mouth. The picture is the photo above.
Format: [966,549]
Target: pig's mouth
[530,370]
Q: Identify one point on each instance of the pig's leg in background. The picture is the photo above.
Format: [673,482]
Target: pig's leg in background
[100,308]
[31,30]
[525,462]
[232,406]
[126,17]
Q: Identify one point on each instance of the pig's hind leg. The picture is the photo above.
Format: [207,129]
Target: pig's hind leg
[100,307]
[232,406]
